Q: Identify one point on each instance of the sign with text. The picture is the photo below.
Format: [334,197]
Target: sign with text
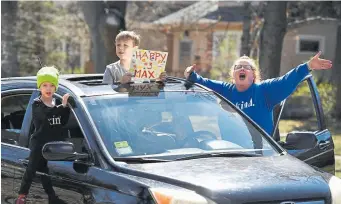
[148,64]
[140,89]
[144,90]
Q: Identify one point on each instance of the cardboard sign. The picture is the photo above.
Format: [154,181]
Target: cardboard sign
[148,64]
[141,89]
[144,90]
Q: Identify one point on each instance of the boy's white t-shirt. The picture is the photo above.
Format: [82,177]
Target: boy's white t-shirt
[113,73]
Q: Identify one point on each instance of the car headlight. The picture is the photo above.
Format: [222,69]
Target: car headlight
[335,189]
[170,196]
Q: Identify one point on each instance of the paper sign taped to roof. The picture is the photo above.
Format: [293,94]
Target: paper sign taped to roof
[148,64]
[144,90]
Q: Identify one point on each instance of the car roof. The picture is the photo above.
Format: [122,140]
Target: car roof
[91,84]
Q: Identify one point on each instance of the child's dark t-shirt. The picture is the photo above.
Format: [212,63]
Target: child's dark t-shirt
[48,122]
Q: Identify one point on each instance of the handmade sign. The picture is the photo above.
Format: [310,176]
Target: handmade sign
[140,89]
[148,64]
[144,90]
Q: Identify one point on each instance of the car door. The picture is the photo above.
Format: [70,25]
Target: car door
[13,107]
[313,143]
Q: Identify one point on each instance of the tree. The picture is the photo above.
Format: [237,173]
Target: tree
[245,42]
[104,20]
[271,39]
[300,10]
[40,29]
[337,71]
[35,21]
[72,31]
[227,45]
[9,52]
[252,26]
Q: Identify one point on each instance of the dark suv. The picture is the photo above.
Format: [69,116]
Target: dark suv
[172,142]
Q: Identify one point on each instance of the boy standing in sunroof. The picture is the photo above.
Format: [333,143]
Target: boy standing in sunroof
[126,43]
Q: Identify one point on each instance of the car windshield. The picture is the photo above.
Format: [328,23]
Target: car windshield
[172,124]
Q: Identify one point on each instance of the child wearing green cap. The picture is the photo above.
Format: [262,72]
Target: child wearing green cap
[48,120]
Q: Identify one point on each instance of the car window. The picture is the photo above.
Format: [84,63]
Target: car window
[206,123]
[172,122]
[13,110]
[298,107]
[197,123]
[71,131]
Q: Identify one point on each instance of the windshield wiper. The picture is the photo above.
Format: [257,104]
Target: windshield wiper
[218,154]
[139,160]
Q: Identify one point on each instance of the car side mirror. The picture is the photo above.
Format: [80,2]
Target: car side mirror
[300,140]
[61,151]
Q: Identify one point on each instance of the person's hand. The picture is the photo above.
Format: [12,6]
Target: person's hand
[126,78]
[162,77]
[317,63]
[64,100]
[189,70]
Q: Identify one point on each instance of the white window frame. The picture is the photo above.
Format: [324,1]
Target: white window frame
[189,40]
[319,38]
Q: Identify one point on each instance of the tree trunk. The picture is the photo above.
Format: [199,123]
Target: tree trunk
[39,37]
[104,25]
[337,75]
[245,50]
[271,39]
[9,52]
[254,48]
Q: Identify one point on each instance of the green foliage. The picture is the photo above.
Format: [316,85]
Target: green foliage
[300,10]
[52,31]
[326,92]
[227,54]
[57,59]
[76,70]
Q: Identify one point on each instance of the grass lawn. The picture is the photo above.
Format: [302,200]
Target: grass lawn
[338,168]
[337,143]
[334,127]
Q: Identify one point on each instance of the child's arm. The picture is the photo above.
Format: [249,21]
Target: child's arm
[162,77]
[64,110]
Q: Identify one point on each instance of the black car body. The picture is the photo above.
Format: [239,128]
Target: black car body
[110,157]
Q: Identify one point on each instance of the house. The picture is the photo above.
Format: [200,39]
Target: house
[209,33]
[305,38]
[195,33]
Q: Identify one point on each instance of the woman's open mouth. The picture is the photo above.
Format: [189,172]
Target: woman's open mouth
[242,76]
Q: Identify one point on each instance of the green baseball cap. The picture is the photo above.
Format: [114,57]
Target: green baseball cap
[48,74]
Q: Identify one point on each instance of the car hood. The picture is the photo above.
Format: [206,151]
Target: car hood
[245,179]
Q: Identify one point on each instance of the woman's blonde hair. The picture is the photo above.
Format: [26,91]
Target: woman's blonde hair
[253,64]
